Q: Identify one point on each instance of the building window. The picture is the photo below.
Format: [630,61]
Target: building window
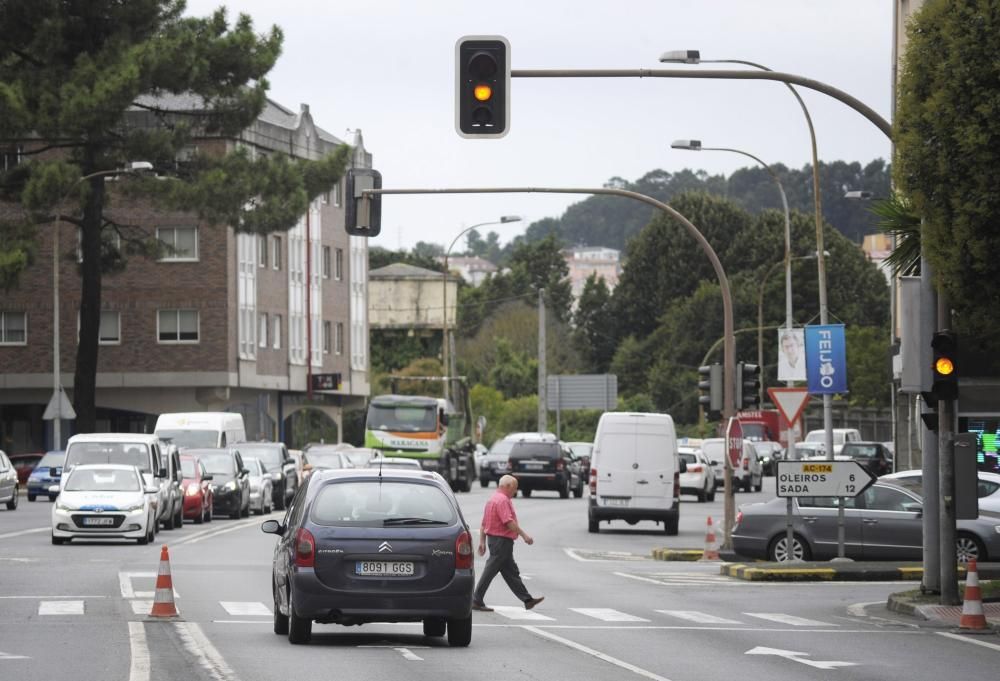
[276,332]
[110,332]
[181,243]
[262,250]
[262,335]
[326,338]
[340,338]
[177,326]
[13,328]
[276,253]
[338,264]
[326,262]
[337,195]
[108,241]
[10,157]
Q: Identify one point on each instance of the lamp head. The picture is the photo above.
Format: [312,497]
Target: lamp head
[509,218]
[859,194]
[690,145]
[681,57]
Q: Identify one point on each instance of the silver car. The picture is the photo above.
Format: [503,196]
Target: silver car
[882,523]
[261,486]
[8,483]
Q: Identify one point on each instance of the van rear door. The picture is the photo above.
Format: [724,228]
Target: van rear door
[614,460]
[654,458]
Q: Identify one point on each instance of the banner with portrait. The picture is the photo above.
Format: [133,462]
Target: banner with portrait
[791,355]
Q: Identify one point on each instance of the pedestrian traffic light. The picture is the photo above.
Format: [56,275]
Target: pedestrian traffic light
[747,386]
[710,389]
[362,213]
[482,74]
[945,368]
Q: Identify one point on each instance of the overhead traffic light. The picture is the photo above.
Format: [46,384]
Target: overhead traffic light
[362,213]
[945,367]
[710,390]
[747,386]
[482,74]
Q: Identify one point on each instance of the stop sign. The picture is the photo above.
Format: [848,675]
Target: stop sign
[734,442]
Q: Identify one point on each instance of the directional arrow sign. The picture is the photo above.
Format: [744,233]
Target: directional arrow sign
[822,478]
[799,657]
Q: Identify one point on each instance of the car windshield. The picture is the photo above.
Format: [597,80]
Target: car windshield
[860,451]
[269,455]
[128,453]
[52,460]
[502,447]
[219,464]
[403,418]
[359,457]
[754,431]
[372,503]
[252,464]
[102,481]
[324,459]
[188,468]
[535,450]
[190,438]
[582,450]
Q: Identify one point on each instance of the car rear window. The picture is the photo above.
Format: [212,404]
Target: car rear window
[535,450]
[860,451]
[374,503]
[690,458]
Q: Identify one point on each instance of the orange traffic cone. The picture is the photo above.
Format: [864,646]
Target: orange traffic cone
[163,601]
[711,551]
[972,605]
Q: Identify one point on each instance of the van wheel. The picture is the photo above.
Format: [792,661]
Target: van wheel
[578,491]
[711,494]
[31,497]
[671,524]
[564,490]
[484,482]
[702,494]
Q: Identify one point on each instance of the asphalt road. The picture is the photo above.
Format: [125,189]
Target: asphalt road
[77,612]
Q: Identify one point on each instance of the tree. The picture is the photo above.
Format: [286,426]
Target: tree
[946,134]
[594,335]
[74,78]
[514,374]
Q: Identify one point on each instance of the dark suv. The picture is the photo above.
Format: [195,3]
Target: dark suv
[545,465]
[872,455]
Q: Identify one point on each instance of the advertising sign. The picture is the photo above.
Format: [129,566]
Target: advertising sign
[826,359]
[791,355]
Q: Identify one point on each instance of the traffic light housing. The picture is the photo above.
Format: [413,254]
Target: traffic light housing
[362,215]
[747,386]
[482,75]
[710,390]
[945,367]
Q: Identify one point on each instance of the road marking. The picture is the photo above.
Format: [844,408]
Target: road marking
[781,618]
[241,621]
[8,656]
[595,653]
[19,533]
[207,655]
[246,608]
[138,669]
[799,657]
[60,608]
[125,585]
[695,616]
[215,532]
[608,615]
[605,556]
[517,612]
[19,560]
[408,654]
[967,639]
[42,598]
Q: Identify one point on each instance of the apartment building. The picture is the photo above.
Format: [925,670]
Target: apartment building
[262,325]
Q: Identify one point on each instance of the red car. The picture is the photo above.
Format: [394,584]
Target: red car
[197,490]
[24,464]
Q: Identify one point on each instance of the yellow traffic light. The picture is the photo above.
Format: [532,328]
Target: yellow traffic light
[482,92]
[944,366]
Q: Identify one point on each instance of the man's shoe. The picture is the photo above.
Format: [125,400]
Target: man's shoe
[532,602]
[482,607]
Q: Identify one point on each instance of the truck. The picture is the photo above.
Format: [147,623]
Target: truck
[763,425]
[430,429]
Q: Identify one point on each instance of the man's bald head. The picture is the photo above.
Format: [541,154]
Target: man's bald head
[508,484]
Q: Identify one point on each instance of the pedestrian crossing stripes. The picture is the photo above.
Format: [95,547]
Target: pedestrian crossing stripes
[60,608]
[699,617]
[517,612]
[246,609]
[608,615]
[792,620]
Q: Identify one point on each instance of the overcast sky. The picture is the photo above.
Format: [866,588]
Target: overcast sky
[387,67]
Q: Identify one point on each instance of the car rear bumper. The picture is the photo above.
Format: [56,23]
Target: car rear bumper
[316,601]
[549,481]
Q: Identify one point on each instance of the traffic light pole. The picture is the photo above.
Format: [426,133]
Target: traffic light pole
[729,338]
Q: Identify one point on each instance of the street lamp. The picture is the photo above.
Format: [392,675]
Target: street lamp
[56,404]
[445,346]
[694,57]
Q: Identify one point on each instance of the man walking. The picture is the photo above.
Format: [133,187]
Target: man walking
[501,529]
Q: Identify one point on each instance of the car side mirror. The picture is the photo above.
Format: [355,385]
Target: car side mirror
[272,527]
[914,507]
[714,462]
[684,466]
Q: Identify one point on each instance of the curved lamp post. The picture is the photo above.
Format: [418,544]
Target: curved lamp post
[445,345]
[134,167]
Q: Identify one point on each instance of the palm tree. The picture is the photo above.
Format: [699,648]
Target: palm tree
[898,219]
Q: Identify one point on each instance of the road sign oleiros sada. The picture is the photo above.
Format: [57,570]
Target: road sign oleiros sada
[822,478]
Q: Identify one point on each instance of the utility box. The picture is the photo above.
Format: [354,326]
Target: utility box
[966,477]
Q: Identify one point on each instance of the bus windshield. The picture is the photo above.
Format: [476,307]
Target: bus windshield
[402,418]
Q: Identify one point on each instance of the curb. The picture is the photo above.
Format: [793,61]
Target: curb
[773,572]
[688,555]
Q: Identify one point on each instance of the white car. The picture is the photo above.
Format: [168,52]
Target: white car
[750,473]
[103,501]
[989,487]
[699,478]
[714,449]
[840,436]
[394,462]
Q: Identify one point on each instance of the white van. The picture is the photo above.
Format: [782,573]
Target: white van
[840,436]
[635,470]
[201,429]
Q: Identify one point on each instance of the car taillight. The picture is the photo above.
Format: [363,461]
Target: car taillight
[305,549]
[593,481]
[463,552]
[677,485]
[746,464]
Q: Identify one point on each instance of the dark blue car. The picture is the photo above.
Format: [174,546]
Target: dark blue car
[363,545]
[40,479]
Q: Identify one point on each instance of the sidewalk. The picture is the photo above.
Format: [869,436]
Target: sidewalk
[945,615]
[840,571]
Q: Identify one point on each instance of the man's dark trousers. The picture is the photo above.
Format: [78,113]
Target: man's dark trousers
[501,560]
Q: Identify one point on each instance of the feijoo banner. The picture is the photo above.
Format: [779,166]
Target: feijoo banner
[826,359]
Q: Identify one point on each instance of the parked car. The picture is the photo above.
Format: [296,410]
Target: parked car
[699,478]
[24,464]
[840,437]
[261,485]
[989,487]
[198,497]
[545,465]
[46,475]
[173,516]
[872,455]
[9,486]
[230,480]
[387,462]
[361,547]
[749,474]
[494,464]
[803,451]
[769,454]
[104,501]
[882,523]
[281,467]
[714,449]
[324,456]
